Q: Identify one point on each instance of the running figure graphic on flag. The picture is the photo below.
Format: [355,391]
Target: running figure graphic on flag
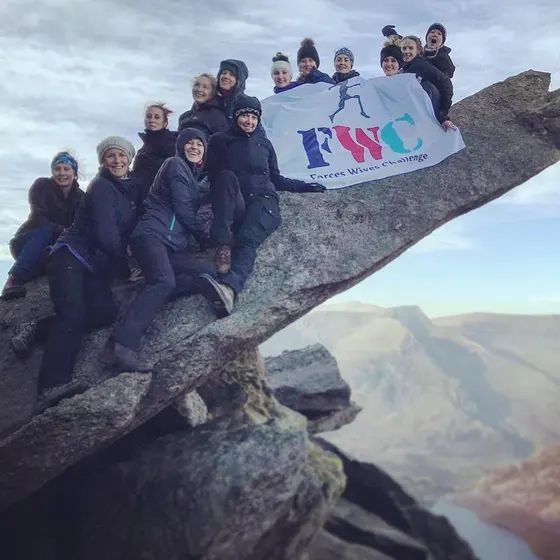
[344,97]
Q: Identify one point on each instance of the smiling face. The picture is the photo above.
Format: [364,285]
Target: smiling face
[63,175]
[155,119]
[247,122]
[227,80]
[194,150]
[306,65]
[202,90]
[116,162]
[343,64]
[434,39]
[390,66]
[281,77]
[409,49]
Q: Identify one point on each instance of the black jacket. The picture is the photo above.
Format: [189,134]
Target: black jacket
[227,103]
[104,222]
[338,77]
[158,146]
[252,159]
[49,206]
[209,117]
[316,77]
[173,202]
[436,84]
[442,61]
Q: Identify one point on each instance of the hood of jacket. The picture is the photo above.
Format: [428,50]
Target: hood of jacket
[239,68]
[184,136]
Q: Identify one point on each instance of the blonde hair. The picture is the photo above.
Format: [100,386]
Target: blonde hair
[208,76]
[418,42]
[395,40]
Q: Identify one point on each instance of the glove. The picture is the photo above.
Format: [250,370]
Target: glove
[314,187]
[389,30]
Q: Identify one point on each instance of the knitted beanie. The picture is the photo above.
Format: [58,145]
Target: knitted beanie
[441,28]
[395,52]
[347,52]
[115,142]
[308,50]
[247,104]
[281,62]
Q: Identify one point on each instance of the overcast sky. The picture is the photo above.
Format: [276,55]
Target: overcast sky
[75,71]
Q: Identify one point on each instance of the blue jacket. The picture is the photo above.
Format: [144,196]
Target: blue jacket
[316,76]
[290,86]
[174,199]
[104,222]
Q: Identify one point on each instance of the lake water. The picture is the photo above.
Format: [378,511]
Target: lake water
[488,541]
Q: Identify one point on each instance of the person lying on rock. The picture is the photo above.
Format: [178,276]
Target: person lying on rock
[435,83]
[282,73]
[391,60]
[163,229]
[207,112]
[344,64]
[244,177]
[53,203]
[308,65]
[85,260]
[158,145]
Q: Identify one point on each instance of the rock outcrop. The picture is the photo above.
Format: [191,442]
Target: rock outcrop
[523,498]
[309,381]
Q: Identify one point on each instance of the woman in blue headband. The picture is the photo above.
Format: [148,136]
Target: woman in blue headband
[344,64]
[53,202]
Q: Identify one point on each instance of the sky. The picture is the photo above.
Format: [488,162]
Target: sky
[76,71]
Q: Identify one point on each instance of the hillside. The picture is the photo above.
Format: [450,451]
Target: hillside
[445,400]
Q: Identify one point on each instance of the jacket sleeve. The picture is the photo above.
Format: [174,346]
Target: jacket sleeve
[39,206]
[185,200]
[427,71]
[279,181]
[215,156]
[105,219]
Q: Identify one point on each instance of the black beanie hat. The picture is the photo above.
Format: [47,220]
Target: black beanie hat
[394,51]
[308,50]
[247,104]
[441,28]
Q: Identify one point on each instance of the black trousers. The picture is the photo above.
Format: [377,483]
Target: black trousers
[82,301]
[242,223]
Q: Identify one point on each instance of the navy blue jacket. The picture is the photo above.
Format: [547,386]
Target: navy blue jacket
[436,84]
[209,117]
[251,157]
[174,200]
[104,222]
[158,146]
[227,103]
[315,77]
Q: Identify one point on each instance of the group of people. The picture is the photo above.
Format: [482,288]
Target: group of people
[142,210]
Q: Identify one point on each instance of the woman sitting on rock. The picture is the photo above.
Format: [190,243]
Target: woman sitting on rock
[282,73]
[308,65]
[435,83]
[435,50]
[53,203]
[169,218]
[343,64]
[391,58]
[232,76]
[244,178]
[207,113]
[159,144]
[85,260]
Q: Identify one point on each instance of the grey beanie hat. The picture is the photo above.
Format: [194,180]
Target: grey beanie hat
[116,142]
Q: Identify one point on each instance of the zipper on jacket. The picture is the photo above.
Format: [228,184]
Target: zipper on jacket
[172,225]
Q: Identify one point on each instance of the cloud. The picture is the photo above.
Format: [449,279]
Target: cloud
[75,71]
[452,236]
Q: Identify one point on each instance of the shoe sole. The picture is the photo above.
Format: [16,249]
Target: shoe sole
[211,293]
[15,295]
[77,389]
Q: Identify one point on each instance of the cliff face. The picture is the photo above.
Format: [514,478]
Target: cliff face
[284,485]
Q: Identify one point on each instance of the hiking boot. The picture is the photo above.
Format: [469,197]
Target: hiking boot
[23,341]
[127,359]
[221,296]
[13,289]
[223,259]
[51,397]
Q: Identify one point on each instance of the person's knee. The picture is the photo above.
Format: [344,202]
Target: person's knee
[225,181]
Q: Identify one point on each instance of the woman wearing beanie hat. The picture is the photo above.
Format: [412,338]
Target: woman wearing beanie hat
[391,58]
[163,230]
[436,51]
[343,64]
[435,83]
[282,73]
[53,202]
[308,64]
[158,144]
[85,260]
